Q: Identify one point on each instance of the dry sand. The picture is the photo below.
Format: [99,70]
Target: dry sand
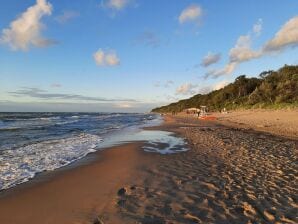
[279,122]
[229,175]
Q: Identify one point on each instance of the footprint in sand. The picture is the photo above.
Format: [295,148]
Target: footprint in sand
[122,192]
[269,216]
[192,218]
[98,220]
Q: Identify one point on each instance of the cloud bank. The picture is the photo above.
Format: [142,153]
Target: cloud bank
[45,95]
[25,31]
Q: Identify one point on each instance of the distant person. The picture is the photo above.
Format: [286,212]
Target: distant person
[224,111]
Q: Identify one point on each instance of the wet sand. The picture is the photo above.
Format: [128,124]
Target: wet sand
[229,175]
[77,195]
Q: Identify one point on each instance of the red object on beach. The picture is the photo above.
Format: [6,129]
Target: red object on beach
[209,118]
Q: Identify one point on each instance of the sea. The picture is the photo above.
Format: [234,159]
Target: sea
[31,143]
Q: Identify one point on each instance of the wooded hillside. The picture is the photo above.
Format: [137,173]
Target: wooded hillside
[275,89]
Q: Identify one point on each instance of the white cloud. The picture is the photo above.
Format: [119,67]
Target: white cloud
[242,50]
[66,16]
[112,59]
[257,28]
[215,73]
[210,59]
[285,37]
[108,58]
[192,89]
[25,31]
[190,14]
[220,85]
[117,4]
[186,89]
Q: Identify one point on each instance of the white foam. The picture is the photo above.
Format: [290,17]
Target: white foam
[46,118]
[66,122]
[21,164]
[162,142]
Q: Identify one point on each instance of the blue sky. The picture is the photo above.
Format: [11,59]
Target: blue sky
[133,55]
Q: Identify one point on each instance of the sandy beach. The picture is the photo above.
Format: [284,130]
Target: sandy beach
[76,195]
[278,122]
[149,112]
[233,173]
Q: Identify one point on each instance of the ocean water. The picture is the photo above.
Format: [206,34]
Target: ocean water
[31,143]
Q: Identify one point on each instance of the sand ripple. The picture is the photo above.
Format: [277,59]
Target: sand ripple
[230,176]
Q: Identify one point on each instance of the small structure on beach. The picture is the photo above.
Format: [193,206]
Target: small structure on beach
[203,111]
[224,111]
[203,114]
[192,110]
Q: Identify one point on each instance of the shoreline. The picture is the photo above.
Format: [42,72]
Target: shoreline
[56,197]
[229,175]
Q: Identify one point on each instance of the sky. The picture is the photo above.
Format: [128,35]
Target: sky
[134,55]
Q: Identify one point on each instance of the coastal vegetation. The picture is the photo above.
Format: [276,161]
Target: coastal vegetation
[271,89]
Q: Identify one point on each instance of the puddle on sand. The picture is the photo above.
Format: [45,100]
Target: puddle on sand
[162,142]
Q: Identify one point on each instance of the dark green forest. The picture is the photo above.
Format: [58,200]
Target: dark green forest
[271,89]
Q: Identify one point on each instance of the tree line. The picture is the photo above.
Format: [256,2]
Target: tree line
[271,89]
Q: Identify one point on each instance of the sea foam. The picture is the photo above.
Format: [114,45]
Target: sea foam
[21,164]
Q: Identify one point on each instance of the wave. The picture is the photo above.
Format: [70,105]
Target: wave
[47,118]
[107,116]
[29,145]
[21,164]
[30,118]
[66,122]
[10,128]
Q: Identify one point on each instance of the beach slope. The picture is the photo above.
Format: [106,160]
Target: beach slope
[228,175]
